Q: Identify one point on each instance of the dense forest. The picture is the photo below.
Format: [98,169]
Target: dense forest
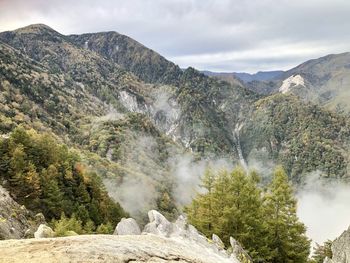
[47,177]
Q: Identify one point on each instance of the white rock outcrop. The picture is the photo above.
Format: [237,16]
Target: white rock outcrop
[161,241]
[127,226]
[181,231]
[158,224]
[291,82]
[218,242]
[107,248]
[44,231]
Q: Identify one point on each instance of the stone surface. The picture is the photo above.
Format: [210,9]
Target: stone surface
[13,217]
[184,232]
[44,232]
[218,242]
[165,242]
[238,251]
[37,220]
[158,224]
[341,249]
[127,226]
[108,248]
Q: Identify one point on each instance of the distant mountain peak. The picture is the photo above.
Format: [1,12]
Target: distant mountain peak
[36,29]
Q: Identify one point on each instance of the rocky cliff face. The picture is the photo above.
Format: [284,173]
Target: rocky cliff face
[13,217]
[15,220]
[340,249]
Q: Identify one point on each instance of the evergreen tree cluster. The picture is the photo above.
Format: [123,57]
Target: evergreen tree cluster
[264,221]
[47,177]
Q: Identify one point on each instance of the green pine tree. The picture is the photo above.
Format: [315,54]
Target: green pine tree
[52,197]
[243,216]
[287,240]
[232,206]
[201,212]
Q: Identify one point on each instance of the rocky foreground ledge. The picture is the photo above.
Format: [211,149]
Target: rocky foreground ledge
[160,241]
[106,248]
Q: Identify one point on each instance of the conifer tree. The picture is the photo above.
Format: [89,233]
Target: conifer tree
[232,206]
[51,194]
[243,216]
[287,240]
[201,212]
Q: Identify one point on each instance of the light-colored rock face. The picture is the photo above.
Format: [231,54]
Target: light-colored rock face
[181,231]
[291,82]
[341,249]
[129,101]
[158,224]
[13,217]
[163,109]
[107,248]
[238,250]
[127,226]
[44,232]
[166,114]
[217,241]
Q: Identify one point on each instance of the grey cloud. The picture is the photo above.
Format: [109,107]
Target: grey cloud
[178,28]
[324,207]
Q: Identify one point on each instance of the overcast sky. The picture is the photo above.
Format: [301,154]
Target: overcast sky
[221,35]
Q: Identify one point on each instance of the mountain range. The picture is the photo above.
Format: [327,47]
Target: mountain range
[323,81]
[137,119]
[246,77]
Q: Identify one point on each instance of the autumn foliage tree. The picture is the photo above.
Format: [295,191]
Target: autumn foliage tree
[47,177]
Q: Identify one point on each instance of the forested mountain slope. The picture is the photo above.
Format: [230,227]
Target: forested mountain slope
[129,113]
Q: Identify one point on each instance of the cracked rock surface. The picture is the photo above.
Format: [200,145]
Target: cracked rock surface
[341,249]
[108,248]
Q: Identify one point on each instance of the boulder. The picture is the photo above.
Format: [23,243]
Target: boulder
[238,251]
[44,232]
[183,232]
[180,227]
[218,242]
[158,224]
[127,226]
[37,220]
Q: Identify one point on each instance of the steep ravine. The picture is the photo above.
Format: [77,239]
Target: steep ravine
[238,145]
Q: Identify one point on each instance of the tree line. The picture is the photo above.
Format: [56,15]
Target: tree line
[47,177]
[262,219]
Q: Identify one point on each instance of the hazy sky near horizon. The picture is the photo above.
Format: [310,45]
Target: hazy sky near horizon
[220,35]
